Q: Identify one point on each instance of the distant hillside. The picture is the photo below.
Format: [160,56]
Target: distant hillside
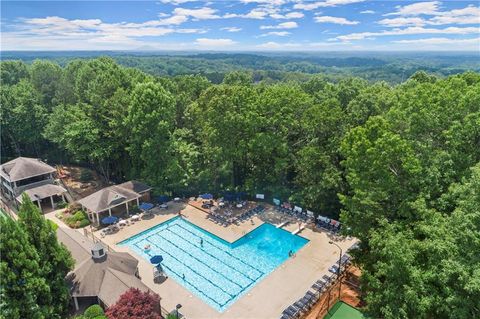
[378,66]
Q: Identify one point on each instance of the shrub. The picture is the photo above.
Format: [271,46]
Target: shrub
[135,303]
[80,215]
[54,225]
[78,220]
[62,204]
[83,223]
[135,210]
[93,311]
[85,175]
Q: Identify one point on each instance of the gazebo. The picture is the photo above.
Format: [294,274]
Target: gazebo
[114,199]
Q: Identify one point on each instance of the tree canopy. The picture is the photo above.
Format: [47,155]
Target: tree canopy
[397,163]
[33,267]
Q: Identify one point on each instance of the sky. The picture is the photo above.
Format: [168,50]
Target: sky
[241,25]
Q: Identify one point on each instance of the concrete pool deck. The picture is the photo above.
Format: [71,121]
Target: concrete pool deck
[269,297]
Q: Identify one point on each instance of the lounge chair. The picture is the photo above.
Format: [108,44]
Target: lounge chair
[291,311]
[333,269]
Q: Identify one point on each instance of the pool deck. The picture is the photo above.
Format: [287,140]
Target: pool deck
[269,297]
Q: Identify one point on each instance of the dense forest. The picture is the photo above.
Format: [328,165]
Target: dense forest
[391,67]
[400,164]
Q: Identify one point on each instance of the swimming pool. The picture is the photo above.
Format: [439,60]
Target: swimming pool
[211,268]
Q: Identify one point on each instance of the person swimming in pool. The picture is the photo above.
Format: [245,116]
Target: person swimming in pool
[183,276]
[147,247]
[201,242]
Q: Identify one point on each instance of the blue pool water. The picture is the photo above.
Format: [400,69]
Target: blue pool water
[218,272]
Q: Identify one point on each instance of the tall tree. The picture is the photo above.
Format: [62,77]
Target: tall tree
[151,121]
[55,260]
[22,284]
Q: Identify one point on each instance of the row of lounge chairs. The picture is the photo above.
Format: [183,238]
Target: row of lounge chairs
[225,221]
[250,213]
[303,215]
[328,224]
[304,304]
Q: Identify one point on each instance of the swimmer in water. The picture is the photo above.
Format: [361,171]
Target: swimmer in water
[201,242]
[147,247]
[183,276]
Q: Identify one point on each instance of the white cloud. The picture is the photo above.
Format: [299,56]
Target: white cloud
[441,41]
[173,20]
[467,15]
[214,42]
[231,29]
[403,22]
[407,31]
[283,25]
[176,2]
[200,14]
[438,44]
[335,20]
[328,3]
[268,2]
[275,33]
[60,33]
[289,15]
[367,12]
[419,8]
[282,46]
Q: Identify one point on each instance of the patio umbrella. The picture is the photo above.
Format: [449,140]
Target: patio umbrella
[146,206]
[109,220]
[162,198]
[156,259]
[206,196]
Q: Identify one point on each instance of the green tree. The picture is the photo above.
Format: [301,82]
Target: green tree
[11,72]
[151,121]
[383,173]
[22,284]
[55,260]
[23,118]
[45,77]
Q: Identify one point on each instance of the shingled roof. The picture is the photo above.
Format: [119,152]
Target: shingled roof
[113,196]
[42,191]
[24,167]
[107,278]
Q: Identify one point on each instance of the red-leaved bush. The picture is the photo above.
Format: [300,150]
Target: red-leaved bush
[135,304]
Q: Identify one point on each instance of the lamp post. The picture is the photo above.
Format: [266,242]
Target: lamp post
[178,307]
[339,268]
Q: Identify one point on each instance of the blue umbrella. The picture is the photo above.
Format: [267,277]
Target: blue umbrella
[146,206]
[206,196]
[110,220]
[156,259]
[162,199]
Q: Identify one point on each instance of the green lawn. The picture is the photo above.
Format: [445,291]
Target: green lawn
[343,311]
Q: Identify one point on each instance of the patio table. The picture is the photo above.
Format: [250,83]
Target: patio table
[176,199]
[122,222]
[135,217]
[239,205]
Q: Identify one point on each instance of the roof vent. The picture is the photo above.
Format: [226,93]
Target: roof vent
[98,252]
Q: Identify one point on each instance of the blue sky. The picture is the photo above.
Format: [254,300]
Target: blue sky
[241,25]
